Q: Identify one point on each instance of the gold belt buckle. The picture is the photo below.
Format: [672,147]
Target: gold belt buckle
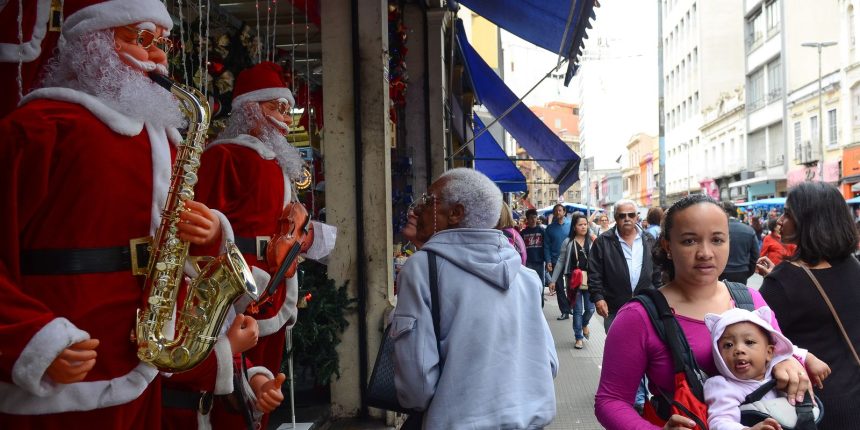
[133,246]
[262,242]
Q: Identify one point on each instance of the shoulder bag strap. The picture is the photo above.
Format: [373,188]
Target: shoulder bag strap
[434,300]
[832,311]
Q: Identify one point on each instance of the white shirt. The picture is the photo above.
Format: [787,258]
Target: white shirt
[633,255]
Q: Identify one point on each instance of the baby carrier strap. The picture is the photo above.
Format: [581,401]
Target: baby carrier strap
[741,295]
[805,410]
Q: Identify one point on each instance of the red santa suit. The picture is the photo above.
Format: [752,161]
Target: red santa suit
[76,174]
[241,177]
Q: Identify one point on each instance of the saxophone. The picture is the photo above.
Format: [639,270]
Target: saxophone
[221,280]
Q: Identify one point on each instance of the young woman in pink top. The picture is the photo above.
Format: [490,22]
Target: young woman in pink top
[693,252]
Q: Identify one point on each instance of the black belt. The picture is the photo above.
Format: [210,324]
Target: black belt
[254,245]
[180,399]
[87,260]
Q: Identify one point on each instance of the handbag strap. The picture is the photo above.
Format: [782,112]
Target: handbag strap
[832,311]
[434,301]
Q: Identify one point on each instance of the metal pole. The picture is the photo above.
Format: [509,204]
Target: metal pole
[661,133]
[820,119]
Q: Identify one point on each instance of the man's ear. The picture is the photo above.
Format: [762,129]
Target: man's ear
[458,212]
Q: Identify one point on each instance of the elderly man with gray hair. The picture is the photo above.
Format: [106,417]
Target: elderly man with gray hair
[495,362]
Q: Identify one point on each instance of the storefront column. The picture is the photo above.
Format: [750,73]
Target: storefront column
[363,255]
[417,122]
[438,19]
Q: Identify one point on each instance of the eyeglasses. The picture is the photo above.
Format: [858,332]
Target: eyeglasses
[422,202]
[145,39]
[282,107]
[622,215]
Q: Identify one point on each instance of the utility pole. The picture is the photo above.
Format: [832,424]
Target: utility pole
[661,128]
[819,46]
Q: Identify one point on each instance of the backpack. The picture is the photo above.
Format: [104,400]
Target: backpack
[688,397]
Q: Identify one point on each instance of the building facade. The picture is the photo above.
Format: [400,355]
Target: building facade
[724,147]
[702,40]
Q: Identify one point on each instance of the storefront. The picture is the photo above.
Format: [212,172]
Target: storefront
[850,183]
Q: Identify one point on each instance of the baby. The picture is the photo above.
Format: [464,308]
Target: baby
[746,347]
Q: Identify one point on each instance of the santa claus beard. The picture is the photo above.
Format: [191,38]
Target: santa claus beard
[91,64]
[249,119]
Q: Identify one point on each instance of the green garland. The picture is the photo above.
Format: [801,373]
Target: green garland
[320,324]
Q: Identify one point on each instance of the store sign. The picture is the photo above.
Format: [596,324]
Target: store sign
[810,173]
[851,162]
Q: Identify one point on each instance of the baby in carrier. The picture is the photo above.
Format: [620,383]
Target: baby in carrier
[746,347]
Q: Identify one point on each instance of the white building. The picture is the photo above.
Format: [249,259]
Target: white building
[777,64]
[702,61]
[723,146]
[850,97]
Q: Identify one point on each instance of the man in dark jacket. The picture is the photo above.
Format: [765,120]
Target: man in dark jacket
[619,263]
[743,248]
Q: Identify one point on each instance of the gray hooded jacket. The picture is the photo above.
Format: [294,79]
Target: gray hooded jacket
[497,353]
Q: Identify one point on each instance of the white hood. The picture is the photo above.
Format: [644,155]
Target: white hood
[783,348]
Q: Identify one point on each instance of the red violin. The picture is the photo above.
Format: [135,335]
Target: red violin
[295,235]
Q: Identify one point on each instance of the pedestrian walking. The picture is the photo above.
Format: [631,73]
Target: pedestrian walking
[693,251]
[743,248]
[574,255]
[817,220]
[537,256]
[556,232]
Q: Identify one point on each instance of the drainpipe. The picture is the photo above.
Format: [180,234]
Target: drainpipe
[359,211]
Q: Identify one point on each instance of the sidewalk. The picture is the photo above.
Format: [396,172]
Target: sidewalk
[579,371]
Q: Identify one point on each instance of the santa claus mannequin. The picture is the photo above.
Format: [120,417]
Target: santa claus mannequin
[85,167]
[248,173]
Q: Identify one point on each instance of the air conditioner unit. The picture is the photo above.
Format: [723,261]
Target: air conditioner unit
[760,163]
[780,159]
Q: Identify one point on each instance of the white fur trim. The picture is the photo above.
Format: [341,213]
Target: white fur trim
[226,230]
[264,95]
[162,165]
[115,13]
[79,396]
[174,136]
[224,358]
[259,370]
[286,315]
[31,49]
[28,372]
[247,141]
[116,121]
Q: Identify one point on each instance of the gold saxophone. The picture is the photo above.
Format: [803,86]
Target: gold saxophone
[221,280]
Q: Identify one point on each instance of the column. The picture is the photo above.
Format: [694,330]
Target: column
[366,263]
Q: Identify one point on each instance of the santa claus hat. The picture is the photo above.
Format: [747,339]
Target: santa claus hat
[261,83]
[87,16]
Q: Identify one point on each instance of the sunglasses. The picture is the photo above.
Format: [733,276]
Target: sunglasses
[145,39]
[623,215]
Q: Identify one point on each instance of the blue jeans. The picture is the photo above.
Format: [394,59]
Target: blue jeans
[582,312]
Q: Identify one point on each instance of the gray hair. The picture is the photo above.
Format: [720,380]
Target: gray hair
[623,202]
[480,197]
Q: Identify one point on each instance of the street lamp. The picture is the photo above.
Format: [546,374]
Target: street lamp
[819,46]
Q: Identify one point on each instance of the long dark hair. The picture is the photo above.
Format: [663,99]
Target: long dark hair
[659,255]
[824,229]
[575,219]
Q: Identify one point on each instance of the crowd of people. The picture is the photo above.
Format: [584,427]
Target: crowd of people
[785,342]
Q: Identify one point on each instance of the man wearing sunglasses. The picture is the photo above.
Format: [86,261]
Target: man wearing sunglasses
[619,264]
[86,163]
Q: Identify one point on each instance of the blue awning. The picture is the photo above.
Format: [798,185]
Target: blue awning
[558,26]
[492,161]
[530,132]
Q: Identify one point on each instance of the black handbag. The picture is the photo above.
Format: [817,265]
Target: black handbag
[381,392]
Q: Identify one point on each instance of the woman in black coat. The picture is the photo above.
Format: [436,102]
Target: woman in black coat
[818,221]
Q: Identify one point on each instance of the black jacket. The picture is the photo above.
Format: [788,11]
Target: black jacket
[608,275]
[743,248]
